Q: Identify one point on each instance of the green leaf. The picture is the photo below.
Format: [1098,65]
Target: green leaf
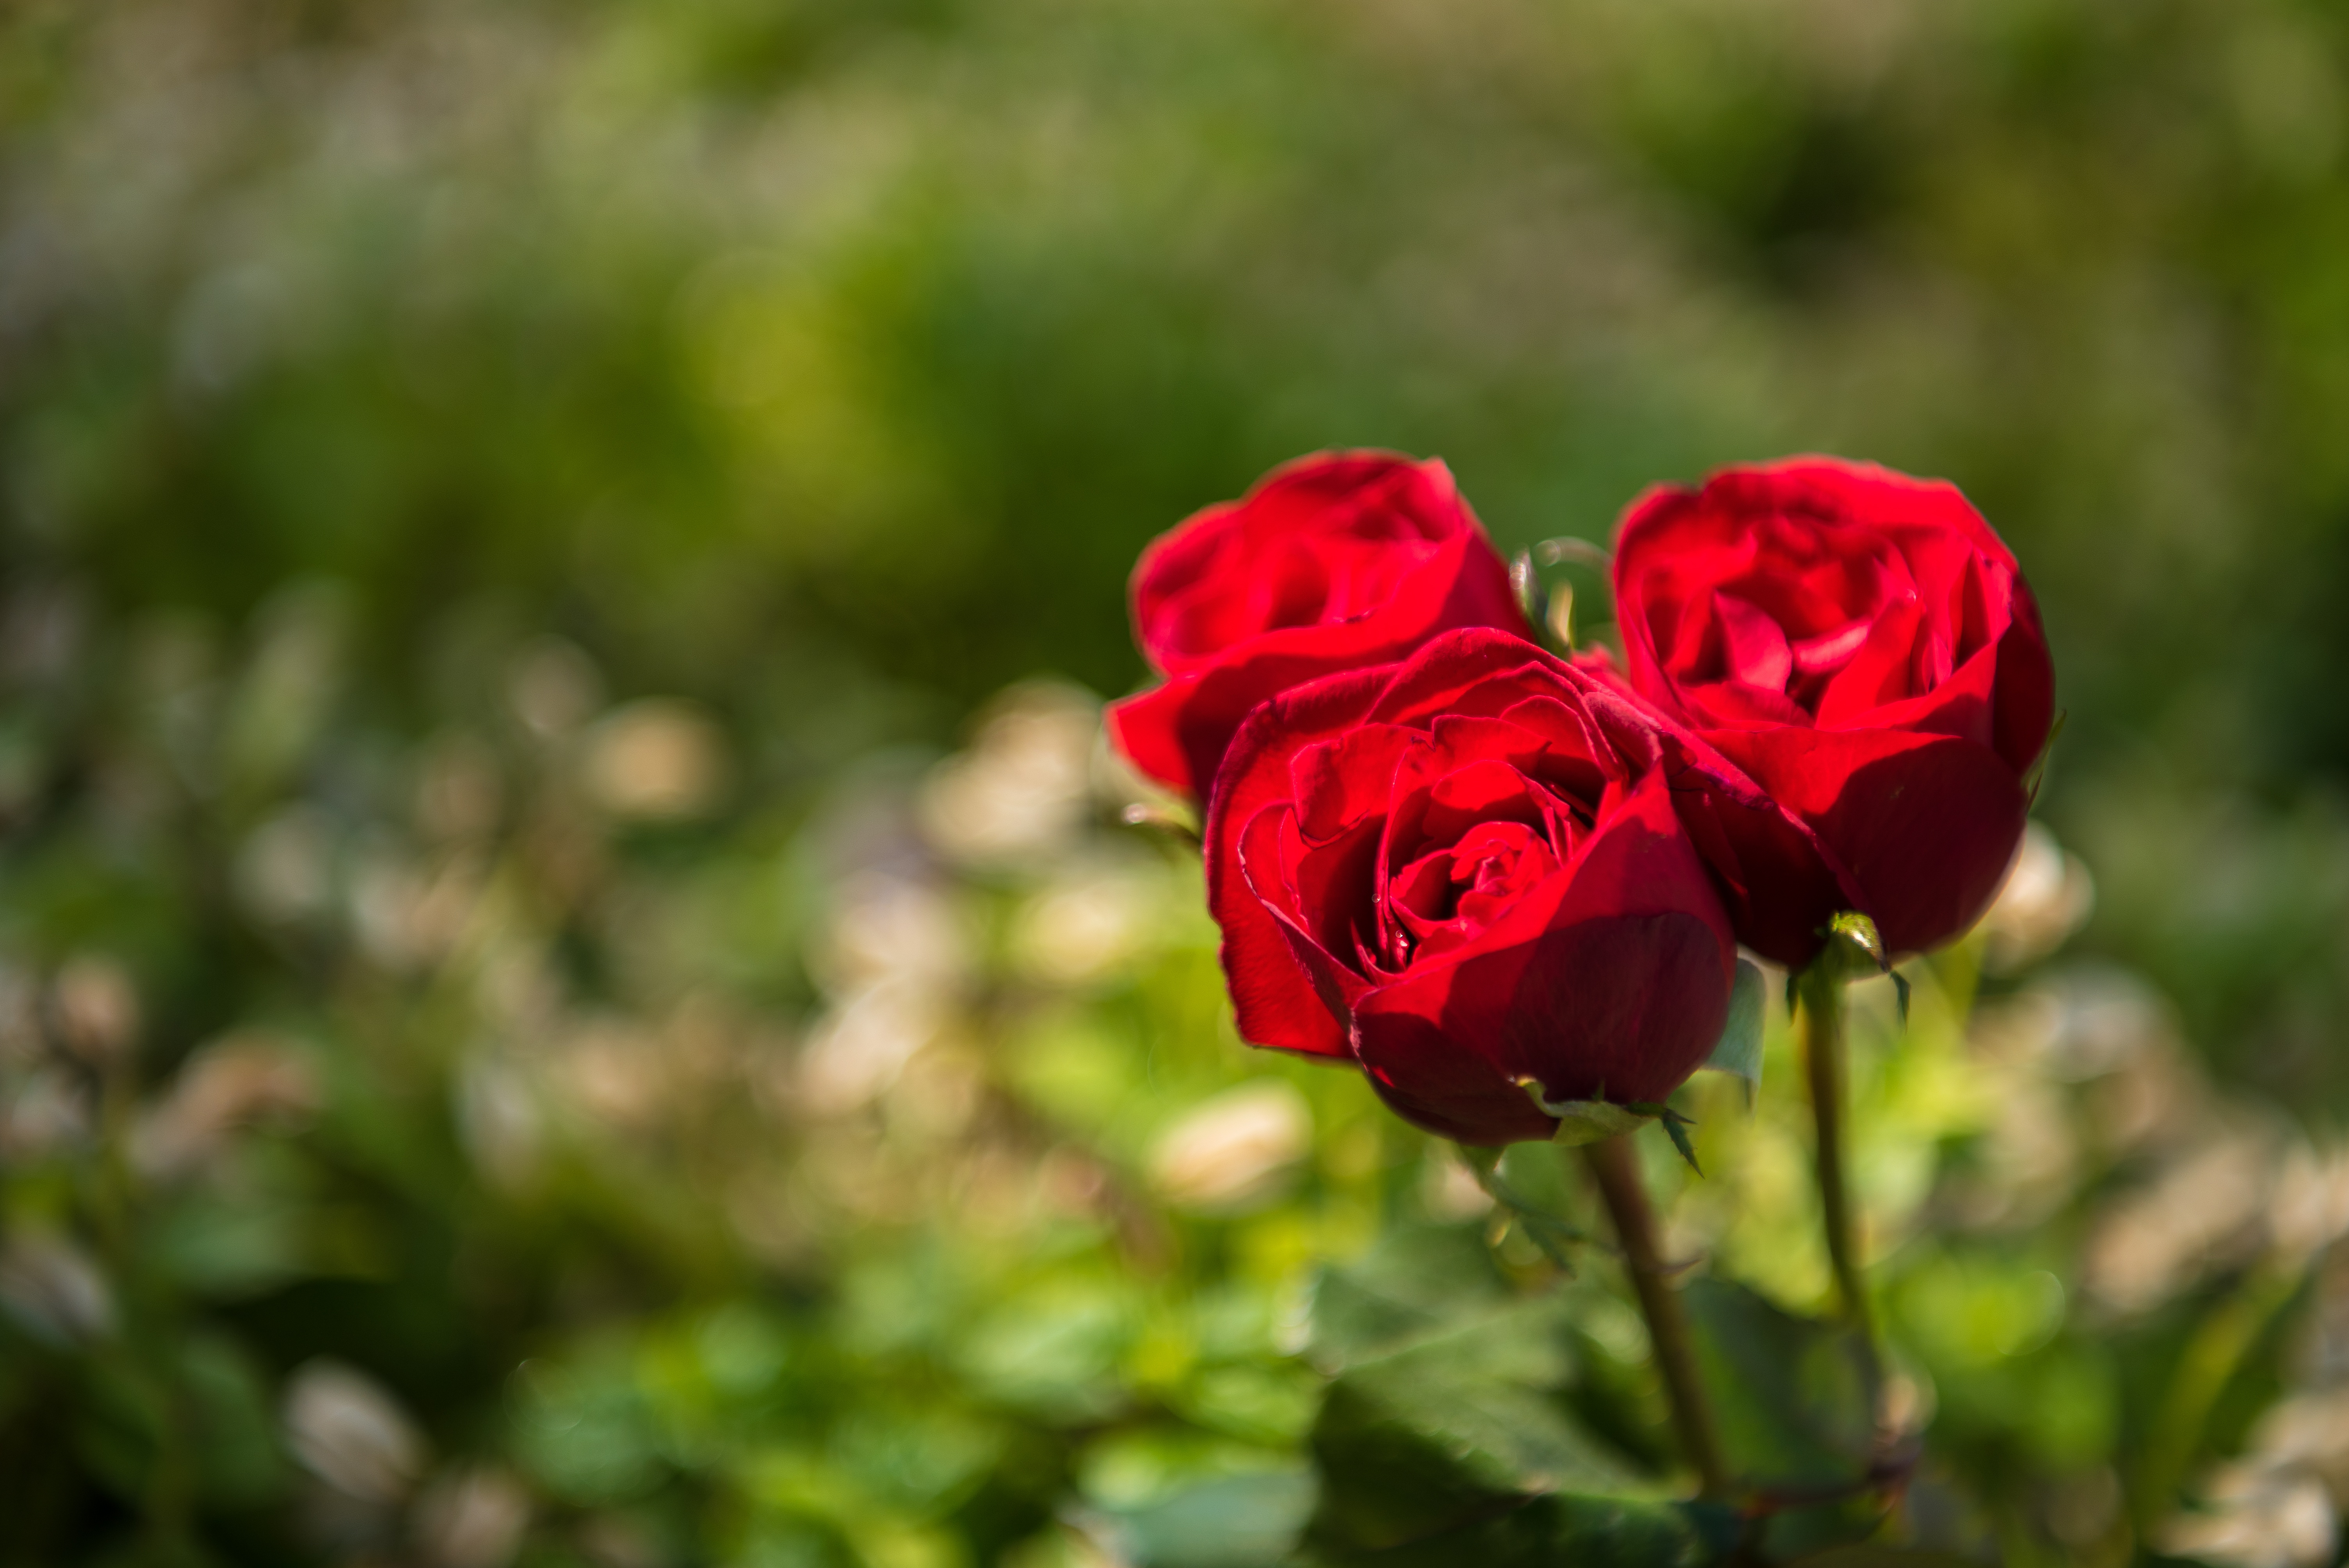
[1585,1531]
[121,1422]
[1790,1392]
[233,1440]
[1738,1052]
[1554,1236]
[1791,1397]
[1868,1555]
[1418,1280]
[1453,1429]
[1231,1521]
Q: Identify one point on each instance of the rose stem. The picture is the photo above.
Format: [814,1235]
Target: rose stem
[1616,1168]
[1824,1063]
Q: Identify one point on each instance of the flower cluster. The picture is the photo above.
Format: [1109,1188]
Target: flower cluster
[1499,878]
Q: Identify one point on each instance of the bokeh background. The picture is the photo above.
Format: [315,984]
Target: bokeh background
[569,987]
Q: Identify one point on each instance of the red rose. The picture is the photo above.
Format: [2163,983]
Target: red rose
[1331,562]
[1467,873]
[1863,647]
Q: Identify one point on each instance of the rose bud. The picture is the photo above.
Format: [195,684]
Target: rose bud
[1331,562]
[1467,873]
[1863,647]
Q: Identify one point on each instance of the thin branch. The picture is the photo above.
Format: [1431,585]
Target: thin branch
[1615,1167]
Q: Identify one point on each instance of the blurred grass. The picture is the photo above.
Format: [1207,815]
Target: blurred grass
[504,506]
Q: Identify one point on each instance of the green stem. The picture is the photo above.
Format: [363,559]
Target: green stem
[1615,1167]
[1825,1066]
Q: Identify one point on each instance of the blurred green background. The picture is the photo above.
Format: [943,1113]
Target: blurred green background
[506,504]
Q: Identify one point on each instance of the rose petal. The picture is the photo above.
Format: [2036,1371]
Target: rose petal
[1338,782]
[1758,651]
[1264,973]
[1285,1005]
[1337,561]
[1448,667]
[1883,671]
[1613,978]
[1926,825]
[2024,701]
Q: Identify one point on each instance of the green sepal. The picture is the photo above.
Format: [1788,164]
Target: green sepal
[1676,1128]
[1533,598]
[1854,950]
[1481,1162]
[1900,995]
[1581,1121]
[1582,552]
[1168,818]
[1738,1052]
[1553,1235]
[2038,769]
[1860,932]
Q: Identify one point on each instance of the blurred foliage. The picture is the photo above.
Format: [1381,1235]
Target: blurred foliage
[518,1042]
[830,362]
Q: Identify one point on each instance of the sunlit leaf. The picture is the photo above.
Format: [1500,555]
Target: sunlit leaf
[1452,1427]
[1791,1392]
[1565,1529]
[1418,1279]
[1234,1522]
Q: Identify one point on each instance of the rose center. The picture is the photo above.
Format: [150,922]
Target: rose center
[1466,886]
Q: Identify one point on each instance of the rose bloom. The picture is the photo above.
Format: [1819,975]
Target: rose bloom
[1331,562]
[1468,873]
[1863,647]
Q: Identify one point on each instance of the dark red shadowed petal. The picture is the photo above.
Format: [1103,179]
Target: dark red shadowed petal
[1925,825]
[1436,1086]
[1613,977]
[1780,884]
[2026,700]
